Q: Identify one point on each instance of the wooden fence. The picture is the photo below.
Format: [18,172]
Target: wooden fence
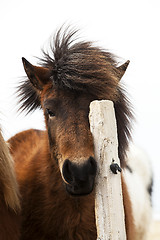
[109,200]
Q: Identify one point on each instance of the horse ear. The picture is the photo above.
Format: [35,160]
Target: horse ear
[121,69]
[38,76]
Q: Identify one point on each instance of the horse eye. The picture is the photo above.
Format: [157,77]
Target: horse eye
[50,113]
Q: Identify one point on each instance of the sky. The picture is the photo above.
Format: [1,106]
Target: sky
[129,29]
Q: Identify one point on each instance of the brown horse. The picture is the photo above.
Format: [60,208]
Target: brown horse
[56,168]
[9,195]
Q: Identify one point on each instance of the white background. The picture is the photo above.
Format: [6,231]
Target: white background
[130,29]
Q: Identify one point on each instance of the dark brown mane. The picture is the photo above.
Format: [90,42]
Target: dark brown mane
[79,66]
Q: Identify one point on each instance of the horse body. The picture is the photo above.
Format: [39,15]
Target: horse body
[48,210]
[9,195]
[139,185]
[56,168]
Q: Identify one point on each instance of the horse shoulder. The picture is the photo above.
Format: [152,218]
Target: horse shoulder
[23,148]
[24,139]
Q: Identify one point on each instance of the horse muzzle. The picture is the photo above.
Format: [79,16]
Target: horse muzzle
[79,178]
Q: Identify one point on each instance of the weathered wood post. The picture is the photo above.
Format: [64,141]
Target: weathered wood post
[108,201]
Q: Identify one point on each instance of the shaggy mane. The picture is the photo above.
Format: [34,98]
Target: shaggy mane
[8,184]
[80,66]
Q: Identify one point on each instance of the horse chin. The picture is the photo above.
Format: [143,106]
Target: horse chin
[77,192]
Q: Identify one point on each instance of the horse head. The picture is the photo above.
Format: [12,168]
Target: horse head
[64,86]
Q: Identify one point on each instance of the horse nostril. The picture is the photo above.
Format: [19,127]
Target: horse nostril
[67,173]
[92,166]
[80,177]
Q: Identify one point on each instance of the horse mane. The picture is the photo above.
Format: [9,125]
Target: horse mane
[82,67]
[8,184]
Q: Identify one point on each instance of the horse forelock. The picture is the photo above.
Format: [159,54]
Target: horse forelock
[80,66]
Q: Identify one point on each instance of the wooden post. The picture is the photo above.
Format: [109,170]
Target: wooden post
[108,200]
